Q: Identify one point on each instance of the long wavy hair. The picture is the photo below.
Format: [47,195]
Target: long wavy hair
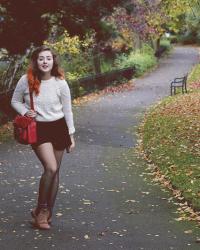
[34,74]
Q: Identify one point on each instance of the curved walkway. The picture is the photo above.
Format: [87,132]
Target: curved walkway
[106,201]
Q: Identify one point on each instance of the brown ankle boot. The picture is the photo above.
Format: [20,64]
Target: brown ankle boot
[34,215]
[41,220]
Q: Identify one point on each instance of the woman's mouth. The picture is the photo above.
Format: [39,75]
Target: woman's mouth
[45,66]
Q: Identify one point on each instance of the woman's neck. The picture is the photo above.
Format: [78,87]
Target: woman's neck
[46,76]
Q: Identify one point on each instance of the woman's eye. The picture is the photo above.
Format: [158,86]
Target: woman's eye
[47,59]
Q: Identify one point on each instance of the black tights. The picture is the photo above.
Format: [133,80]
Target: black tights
[49,182]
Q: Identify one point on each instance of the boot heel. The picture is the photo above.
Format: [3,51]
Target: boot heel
[41,220]
[33,214]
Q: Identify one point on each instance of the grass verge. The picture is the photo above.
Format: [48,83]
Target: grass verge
[194,78]
[171,140]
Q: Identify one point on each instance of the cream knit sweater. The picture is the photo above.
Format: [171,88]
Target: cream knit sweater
[52,103]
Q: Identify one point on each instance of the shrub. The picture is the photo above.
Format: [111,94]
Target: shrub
[165,43]
[106,65]
[173,39]
[76,55]
[142,60]
[188,38]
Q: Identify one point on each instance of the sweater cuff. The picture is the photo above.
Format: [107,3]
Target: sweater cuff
[71,131]
[24,111]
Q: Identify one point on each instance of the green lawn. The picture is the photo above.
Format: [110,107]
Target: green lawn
[171,140]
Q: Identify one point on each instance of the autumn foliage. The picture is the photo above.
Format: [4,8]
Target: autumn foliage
[171,140]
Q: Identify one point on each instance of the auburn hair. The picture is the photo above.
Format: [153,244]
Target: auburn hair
[34,74]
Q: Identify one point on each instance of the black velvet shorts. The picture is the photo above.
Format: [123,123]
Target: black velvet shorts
[55,132]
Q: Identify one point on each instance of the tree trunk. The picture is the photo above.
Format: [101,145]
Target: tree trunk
[153,44]
[9,77]
[157,44]
[138,43]
[96,59]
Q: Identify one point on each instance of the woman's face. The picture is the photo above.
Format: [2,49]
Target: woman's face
[45,61]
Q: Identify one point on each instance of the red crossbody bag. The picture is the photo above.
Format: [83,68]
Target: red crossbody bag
[25,130]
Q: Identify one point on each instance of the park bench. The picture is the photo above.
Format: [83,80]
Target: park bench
[179,82]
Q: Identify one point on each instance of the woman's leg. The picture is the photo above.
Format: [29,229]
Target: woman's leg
[55,183]
[46,155]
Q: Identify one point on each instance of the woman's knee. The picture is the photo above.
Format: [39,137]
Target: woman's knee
[51,171]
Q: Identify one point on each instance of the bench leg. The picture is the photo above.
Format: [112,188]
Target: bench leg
[173,90]
[185,88]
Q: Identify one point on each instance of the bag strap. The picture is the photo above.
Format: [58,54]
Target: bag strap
[31,99]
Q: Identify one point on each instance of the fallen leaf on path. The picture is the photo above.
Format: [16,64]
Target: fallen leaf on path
[188,231]
[129,201]
[197,240]
[59,214]
[113,190]
[87,237]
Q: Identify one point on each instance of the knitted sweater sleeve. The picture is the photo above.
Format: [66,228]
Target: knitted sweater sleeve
[17,101]
[67,106]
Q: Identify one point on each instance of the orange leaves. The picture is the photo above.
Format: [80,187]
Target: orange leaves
[108,90]
[183,116]
[6,131]
[183,105]
[195,85]
[171,140]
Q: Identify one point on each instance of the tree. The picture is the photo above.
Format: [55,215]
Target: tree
[29,21]
[143,18]
[150,19]
[23,23]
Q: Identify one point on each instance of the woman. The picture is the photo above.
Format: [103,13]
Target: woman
[55,126]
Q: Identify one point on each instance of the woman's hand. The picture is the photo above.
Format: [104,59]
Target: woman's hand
[72,146]
[31,113]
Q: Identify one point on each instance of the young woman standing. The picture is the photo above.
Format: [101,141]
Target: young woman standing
[55,126]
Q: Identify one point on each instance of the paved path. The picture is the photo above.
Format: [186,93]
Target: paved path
[106,201]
